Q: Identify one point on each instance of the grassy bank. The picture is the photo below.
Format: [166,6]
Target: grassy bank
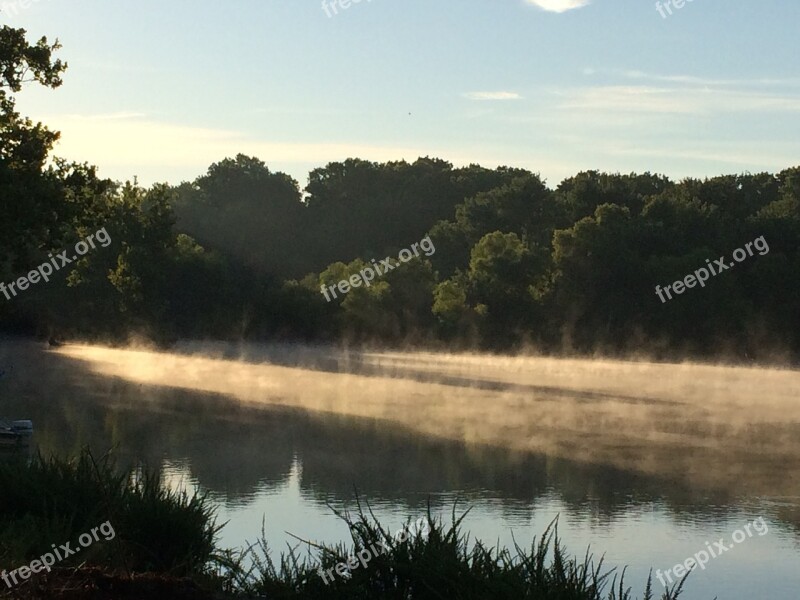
[165,544]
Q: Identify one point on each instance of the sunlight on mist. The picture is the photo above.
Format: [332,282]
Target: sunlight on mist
[729,428]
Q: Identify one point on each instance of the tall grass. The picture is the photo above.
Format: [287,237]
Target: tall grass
[441,565]
[52,501]
[49,501]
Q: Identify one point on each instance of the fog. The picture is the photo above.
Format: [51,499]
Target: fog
[730,429]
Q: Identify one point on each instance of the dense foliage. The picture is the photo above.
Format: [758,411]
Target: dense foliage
[47,502]
[241,251]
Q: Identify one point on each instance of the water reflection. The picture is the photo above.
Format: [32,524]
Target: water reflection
[647,476]
[234,449]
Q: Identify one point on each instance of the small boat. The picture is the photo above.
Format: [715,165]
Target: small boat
[15,433]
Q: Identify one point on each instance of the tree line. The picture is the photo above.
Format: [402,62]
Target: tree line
[242,251]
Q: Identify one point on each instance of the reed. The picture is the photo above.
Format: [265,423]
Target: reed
[53,500]
[442,564]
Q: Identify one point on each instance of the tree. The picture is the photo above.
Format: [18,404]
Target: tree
[504,275]
[247,212]
[31,201]
[29,197]
[582,194]
[599,286]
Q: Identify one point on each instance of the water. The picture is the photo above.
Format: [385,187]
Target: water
[646,463]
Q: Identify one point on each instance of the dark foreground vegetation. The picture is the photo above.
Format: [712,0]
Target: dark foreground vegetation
[241,252]
[165,546]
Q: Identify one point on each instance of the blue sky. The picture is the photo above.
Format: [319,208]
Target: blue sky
[161,90]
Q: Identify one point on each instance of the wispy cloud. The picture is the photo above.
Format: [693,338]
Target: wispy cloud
[691,79]
[769,155]
[108,116]
[697,100]
[558,6]
[492,96]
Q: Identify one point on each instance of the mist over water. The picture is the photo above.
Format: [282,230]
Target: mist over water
[645,462]
[728,428]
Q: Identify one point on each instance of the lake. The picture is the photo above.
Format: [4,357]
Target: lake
[649,464]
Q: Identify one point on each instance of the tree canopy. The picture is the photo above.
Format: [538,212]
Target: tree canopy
[242,252]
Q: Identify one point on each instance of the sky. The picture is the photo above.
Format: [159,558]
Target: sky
[161,90]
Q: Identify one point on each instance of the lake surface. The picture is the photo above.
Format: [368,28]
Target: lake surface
[647,463]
